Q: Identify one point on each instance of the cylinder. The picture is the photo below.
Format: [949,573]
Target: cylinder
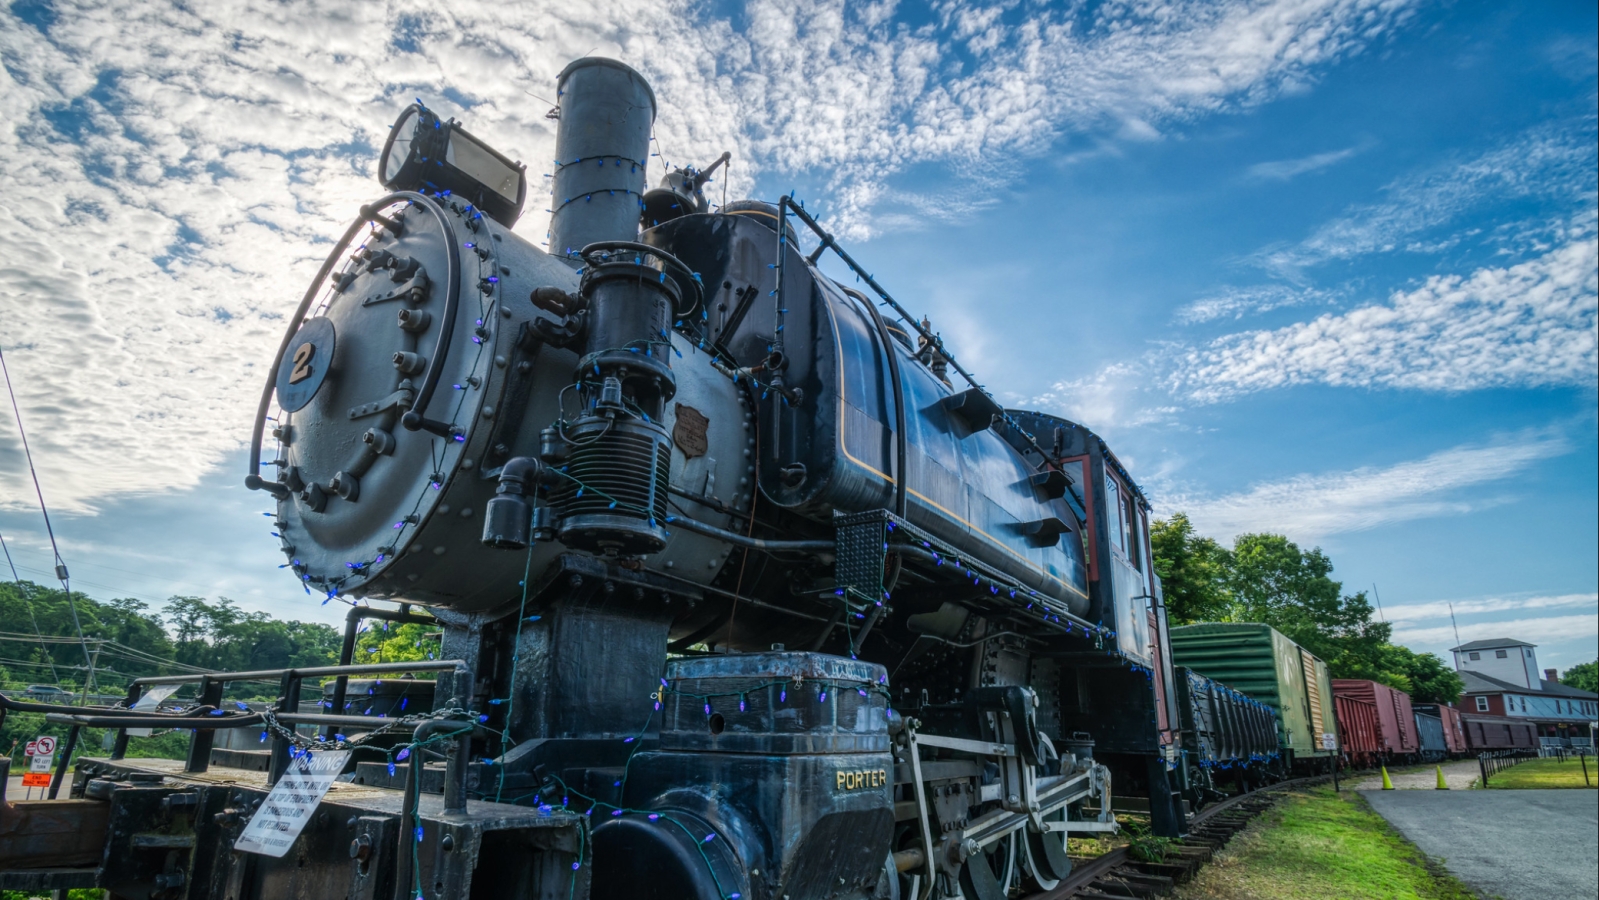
[601,147]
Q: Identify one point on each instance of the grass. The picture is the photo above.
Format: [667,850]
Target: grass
[1545,773]
[1319,845]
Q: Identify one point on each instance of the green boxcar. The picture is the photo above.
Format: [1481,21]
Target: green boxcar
[1260,662]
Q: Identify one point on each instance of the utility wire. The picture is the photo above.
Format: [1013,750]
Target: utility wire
[22,594]
[61,564]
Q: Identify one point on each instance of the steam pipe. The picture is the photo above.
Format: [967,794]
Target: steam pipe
[739,540]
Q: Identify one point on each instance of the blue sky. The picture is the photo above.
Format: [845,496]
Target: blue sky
[1323,267]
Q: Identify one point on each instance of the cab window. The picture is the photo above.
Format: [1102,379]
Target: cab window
[1115,525]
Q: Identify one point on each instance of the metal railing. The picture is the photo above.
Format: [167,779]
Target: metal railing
[1493,763]
[204,720]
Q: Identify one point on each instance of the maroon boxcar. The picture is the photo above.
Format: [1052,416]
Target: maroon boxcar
[1396,721]
[1357,730]
[1484,733]
[1454,732]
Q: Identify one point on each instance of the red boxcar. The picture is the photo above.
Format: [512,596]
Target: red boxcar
[1357,729]
[1396,721]
[1485,733]
[1454,732]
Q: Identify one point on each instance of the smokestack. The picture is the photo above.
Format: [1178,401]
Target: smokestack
[1551,675]
[601,147]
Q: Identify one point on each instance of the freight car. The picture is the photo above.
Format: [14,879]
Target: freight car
[1396,721]
[1264,664]
[1430,736]
[745,588]
[1229,739]
[1357,731]
[1449,717]
[1485,733]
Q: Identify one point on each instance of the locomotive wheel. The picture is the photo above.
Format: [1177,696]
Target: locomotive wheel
[978,881]
[1044,856]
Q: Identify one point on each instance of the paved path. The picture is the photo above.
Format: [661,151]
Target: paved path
[1459,775]
[1519,845]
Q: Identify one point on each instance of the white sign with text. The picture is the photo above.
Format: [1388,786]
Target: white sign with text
[291,803]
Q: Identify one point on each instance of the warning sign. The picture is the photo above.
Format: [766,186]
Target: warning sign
[291,802]
[36,779]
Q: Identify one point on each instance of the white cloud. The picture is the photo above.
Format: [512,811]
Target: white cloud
[1526,325]
[1547,630]
[1115,397]
[1563,625]
[1237,302]
[1310,507]
[170,174]
[1550,162]
[1288,169]
[1409,613]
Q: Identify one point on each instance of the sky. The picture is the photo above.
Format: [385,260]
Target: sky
[1325,268]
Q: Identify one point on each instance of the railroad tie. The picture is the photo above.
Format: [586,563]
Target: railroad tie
[1156,885]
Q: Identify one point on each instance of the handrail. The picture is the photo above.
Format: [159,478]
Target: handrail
[310,672]
[143,720]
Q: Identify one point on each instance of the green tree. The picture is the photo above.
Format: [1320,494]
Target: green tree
[1583,677]
[387,642]
[224,637]
[1268,578]
[1425,677]
[1193,570]
[1275,582]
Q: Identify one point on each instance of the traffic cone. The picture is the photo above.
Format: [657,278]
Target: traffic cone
[1442,784]
[1387,783]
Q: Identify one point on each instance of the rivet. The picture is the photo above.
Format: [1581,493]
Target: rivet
[467,462]
[439,550]
[499,361]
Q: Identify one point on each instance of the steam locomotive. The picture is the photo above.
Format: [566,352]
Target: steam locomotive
[746,588]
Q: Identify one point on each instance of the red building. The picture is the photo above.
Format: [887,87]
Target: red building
[1502,680]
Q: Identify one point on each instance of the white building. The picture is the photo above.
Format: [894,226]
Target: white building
[1502,659]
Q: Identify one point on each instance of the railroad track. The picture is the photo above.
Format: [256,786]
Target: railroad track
[1116,875]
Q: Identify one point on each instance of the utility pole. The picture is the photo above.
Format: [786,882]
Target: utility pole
[1456,626]
[89,681]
